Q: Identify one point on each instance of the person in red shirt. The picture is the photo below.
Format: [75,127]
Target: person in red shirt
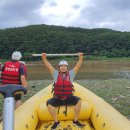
[13,73]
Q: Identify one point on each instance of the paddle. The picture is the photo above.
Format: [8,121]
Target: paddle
[8,109]
[69,54]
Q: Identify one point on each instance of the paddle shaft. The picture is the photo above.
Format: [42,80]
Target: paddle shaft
[8,113]
[9,104]
[73,54]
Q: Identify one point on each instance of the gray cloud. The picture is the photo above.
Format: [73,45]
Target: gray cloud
[53,4]
[112,14]
[106,14]
[119,4]
[19,12]
[76,6]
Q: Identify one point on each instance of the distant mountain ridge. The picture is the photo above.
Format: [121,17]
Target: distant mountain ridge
[59,39]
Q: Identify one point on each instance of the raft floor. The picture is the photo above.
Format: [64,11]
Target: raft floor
[64,125]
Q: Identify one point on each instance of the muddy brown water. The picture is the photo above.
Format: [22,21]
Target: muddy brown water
[90,70]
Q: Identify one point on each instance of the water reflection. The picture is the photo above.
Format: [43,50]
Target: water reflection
[89,70]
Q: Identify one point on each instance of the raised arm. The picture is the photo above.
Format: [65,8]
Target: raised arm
[79,63]
[47,64]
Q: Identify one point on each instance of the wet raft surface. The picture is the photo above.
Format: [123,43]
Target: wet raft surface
[64,125]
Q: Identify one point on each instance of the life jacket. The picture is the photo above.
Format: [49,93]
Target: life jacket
[10,73]
[63,88]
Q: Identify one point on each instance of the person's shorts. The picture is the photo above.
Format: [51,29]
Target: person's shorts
[17,97]
[71,101]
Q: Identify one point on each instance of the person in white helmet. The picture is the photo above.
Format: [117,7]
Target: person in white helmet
[63,90]
[13,73]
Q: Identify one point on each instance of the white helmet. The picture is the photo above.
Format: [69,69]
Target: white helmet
[16,55]
[63,62]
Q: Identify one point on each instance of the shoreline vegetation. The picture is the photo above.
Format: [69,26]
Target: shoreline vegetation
[114,91]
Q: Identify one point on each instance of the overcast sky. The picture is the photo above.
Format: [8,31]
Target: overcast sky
[113,14]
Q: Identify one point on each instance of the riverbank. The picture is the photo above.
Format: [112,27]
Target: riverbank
[114,91]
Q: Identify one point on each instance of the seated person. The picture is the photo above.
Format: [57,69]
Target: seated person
[63,89]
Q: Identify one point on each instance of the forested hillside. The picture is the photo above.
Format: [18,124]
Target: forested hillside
[58,39]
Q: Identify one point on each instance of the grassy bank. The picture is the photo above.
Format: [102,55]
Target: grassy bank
[114,91]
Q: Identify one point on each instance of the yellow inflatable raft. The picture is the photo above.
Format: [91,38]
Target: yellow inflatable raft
[95,113]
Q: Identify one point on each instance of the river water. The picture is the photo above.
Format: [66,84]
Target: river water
[90,70]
